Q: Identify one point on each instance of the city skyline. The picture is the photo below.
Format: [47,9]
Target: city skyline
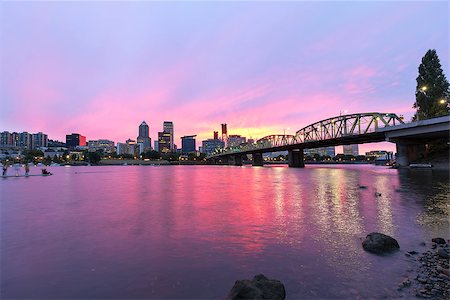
[262,68]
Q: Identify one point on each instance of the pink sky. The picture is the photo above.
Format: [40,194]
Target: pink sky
[100,69]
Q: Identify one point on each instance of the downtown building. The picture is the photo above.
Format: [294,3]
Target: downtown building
[23,140]
[188,144]
[323,151]
[130,147]
[144,137]
[210,146]
[166,138]
[75,140]
[351,149]
[106,146]
[234,140]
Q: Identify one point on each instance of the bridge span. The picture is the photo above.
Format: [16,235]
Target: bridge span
[361,128]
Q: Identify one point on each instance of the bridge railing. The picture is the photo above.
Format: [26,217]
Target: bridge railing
[331,128]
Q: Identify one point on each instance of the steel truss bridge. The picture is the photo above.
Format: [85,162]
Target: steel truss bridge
[341,130]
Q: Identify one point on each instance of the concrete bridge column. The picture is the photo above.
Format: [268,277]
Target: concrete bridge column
[407,153]
[238,160]
[257,159]
[295,158]
[223,160]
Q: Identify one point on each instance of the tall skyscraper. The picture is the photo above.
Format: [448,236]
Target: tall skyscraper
[168,128]
[144,136]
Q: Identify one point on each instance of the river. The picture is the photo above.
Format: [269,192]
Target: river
[192,231]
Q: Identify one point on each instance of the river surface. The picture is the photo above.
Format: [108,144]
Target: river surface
[192,231]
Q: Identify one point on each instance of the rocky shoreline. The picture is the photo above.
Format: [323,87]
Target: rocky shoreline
[427,277]
[429,273]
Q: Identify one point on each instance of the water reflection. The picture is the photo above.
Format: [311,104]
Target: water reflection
[163,232]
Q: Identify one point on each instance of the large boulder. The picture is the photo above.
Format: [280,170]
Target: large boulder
[259,288]
[379,243]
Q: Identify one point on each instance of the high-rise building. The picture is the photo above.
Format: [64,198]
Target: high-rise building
[235,140]
[144,136]
[122,148]
[5,138]
[41,140]
[351,150]
[164,142]
[188,144]
[25,140]
[15,139]
[156,145]
[74,140]
[168,128]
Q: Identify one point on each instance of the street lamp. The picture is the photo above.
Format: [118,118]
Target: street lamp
[442,101]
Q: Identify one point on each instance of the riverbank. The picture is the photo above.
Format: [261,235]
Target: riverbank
[428,275]
[132,162]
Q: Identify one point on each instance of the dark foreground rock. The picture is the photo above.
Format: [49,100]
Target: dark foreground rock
[259,288]
[440,241]
[379,243]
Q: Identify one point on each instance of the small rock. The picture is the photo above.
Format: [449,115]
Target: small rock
[413,252]
[406,282]
[423,244]
[259,288]
[433,246]
[443,276]
[438,240]
[379,243]
[421,278]
[443,253]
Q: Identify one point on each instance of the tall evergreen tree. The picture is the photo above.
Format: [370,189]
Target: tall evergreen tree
[432,92]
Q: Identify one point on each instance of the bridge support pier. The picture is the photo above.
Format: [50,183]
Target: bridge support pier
[257,159]
[407,153]
[295,158]
[223,160]
[237,160]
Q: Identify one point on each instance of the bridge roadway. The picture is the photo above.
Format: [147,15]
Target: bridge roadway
[410,138]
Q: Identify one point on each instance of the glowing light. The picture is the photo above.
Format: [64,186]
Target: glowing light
[424,88]
[442,101]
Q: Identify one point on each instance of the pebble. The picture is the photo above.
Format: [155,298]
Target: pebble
[443,276]
[443,253]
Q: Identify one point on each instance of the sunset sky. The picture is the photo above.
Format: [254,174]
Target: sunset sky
[101,68]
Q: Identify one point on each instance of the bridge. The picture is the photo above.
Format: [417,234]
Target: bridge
[360,128]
